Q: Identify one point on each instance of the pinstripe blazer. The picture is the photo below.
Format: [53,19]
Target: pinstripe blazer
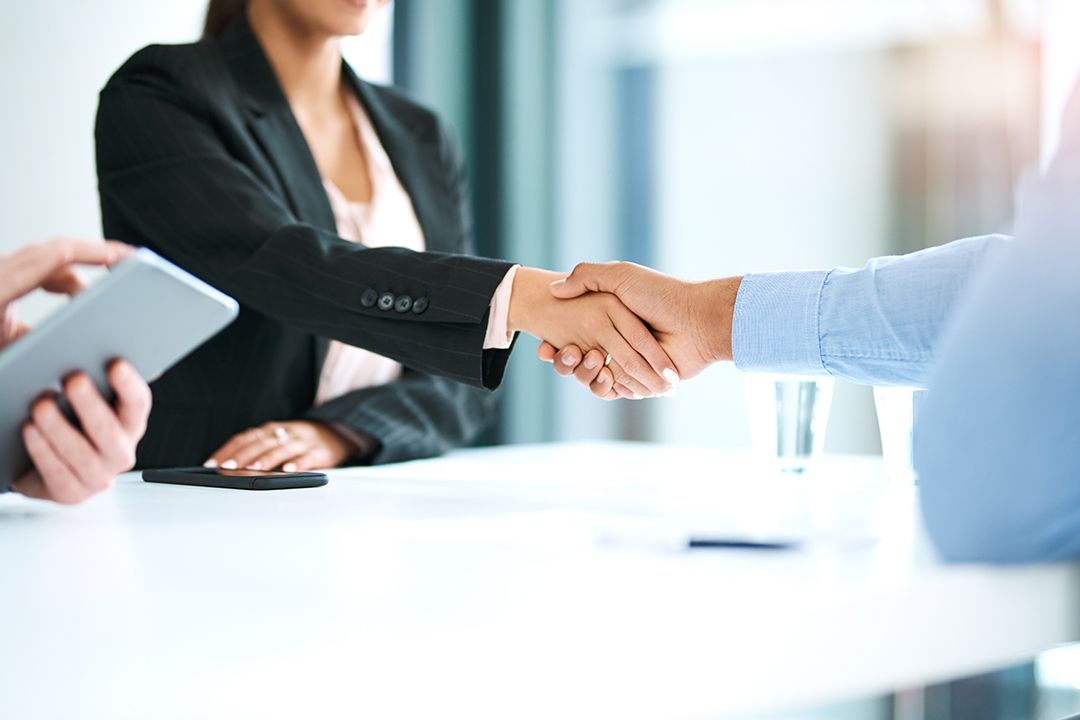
[200,158]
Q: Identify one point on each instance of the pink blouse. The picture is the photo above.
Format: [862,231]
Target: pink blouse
[388,219]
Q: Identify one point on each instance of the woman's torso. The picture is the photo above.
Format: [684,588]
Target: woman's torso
[261,369]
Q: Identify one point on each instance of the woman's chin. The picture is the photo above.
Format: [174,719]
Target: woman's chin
[348,24]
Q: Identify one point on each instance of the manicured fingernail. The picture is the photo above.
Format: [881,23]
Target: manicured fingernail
[636,396]
[558,283]
[568,360]
[229,464]
[602,379]
[671,376]
[289,467]
[256,465]
[591,362]
[211,463]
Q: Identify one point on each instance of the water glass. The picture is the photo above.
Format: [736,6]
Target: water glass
[896,409]
[788,417]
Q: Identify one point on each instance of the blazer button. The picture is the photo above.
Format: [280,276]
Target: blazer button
[420,305]
[386,301]
[369,298]
[403,303]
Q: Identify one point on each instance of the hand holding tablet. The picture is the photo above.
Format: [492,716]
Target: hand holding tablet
[147,310]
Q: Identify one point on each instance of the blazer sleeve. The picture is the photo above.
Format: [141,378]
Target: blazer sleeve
[167,179]
[418,415]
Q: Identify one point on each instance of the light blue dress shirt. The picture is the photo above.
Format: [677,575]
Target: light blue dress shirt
[878,325]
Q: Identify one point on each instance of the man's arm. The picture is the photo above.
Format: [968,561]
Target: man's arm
[877,325]
[997,439]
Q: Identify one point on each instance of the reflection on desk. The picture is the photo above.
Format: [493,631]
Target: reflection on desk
[532,581]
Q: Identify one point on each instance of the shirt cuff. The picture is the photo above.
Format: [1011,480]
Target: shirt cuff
[497,336]
[775,323]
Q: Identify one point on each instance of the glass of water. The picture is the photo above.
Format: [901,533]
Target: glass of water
[788,417]
[896,409]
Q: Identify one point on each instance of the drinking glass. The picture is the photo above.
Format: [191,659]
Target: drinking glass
[896,410]
[788,417]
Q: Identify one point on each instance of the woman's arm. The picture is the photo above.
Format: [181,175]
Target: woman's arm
[167,180]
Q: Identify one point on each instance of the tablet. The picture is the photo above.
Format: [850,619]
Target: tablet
[146,311]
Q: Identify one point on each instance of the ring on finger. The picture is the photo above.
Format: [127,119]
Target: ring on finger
[607,360]
[281,435]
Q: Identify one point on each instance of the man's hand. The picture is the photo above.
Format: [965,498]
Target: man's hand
[692,321]
[71,464]
[49,266]
[639,366]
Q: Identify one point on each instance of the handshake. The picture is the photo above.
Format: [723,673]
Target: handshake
[623,330]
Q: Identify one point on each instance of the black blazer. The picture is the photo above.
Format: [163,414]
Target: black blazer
[200,158]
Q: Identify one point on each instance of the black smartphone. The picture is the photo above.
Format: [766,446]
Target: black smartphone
[236,479]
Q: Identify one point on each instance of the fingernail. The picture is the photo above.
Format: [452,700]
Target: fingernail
[568,360]
[289,467]
[602,379]
[211,463]
[636,396]
[229,464]
[557,283]
[591,362]
[671,376]
[256,465]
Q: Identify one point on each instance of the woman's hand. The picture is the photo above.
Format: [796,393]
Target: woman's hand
[71,464]
[292,446]
[639,367]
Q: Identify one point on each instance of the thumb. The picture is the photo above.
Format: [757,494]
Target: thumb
[586,277]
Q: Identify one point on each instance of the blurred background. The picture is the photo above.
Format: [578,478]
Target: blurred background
[703,137]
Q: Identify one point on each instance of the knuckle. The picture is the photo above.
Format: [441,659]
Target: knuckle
[78,384]
[42,410]
[125,457]
[640,337]
[67,494]
[632,368]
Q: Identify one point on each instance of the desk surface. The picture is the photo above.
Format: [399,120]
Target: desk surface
[517,582]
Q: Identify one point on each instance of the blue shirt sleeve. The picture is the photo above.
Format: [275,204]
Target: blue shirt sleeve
[877,325]
[997,440]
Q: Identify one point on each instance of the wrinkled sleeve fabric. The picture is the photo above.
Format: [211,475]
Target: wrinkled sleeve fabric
[997,440]
[876,325]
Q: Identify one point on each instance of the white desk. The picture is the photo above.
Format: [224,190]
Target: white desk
[503,583]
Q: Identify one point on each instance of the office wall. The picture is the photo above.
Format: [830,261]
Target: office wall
[771,161]
[56,56]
